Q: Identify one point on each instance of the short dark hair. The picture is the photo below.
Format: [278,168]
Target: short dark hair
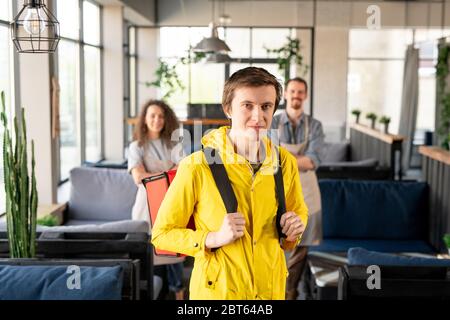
[298,79]
[250,77]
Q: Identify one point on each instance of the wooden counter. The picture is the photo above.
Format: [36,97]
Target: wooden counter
[435,153]
[389,138]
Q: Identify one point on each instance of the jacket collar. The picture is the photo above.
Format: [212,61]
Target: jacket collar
[219,140]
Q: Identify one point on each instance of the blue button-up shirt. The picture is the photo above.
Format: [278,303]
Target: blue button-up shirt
[286,134]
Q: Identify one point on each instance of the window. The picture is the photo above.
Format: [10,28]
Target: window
[375,73]
[6,82]
[79,74]
[204,81]
[92,81]
[130,77]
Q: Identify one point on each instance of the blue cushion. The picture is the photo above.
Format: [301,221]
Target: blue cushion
[385,210]
[51,283]
[342,245]
[362,257]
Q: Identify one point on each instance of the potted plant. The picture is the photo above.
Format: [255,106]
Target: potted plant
[20,190]
[373,117]
[356,113]
[48,220]
[446,239]
[446,143]
[385,120]
[288,53]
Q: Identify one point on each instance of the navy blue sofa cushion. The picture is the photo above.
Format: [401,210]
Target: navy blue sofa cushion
[383,210]
[51,283]
[342,245]
[362,257]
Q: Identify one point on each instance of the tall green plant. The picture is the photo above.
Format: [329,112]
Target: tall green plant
[21,195]
[442,71]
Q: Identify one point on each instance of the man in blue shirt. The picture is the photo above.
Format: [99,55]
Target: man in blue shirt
[303,136]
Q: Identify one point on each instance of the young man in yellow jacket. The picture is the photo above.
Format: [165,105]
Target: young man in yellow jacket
[237,255]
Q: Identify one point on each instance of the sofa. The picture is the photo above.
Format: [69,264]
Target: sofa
[42,279]
[386,216]
[337,163]
[97,222]
[401,277]
[101,200]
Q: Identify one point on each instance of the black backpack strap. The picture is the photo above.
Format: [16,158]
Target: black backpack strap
[279,186]
[222,181]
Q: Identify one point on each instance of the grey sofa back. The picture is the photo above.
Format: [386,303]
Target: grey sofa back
[101,194]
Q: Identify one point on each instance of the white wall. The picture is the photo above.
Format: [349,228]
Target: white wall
[330,80]
[147,48]
[113,82]
[35,98]
[141,10]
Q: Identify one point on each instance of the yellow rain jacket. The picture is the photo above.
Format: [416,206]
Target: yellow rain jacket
[252,267]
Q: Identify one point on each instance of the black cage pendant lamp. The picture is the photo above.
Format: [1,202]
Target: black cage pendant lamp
[35,29]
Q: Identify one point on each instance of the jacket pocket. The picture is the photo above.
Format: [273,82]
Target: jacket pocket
[211,272]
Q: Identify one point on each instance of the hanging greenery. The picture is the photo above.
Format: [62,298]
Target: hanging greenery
[287,54]
[442,71]
[20,190]
[167,78]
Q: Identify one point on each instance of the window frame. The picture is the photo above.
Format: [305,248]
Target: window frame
[81,105]
[14,74]
[251,60]
[350,58]
[131,109]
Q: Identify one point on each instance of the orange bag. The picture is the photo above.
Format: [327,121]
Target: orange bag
[156,187]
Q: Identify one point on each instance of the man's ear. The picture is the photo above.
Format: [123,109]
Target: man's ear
[227,112]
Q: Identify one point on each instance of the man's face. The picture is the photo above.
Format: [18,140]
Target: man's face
[295,94]
[252,111]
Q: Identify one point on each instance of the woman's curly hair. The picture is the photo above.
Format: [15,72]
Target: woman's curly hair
[170,123]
